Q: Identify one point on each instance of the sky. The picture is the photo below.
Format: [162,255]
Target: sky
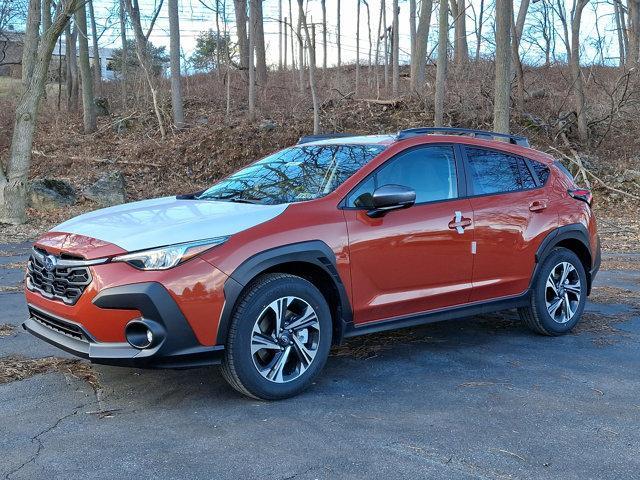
[195,18]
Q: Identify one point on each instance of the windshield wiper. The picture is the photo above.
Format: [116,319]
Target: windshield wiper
[244,200]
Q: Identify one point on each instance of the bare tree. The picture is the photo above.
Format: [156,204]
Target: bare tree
[240,9]
[383,7]
[418,64]
[13,180]
[279,34]
[460,45]
[617,11]
[252,72]
[395,80]
[174,57]
[441,68]
[323,4]
[576,73]
[259,43]
[311,45]
[301,80]
[284,47]
[338,39]
[144,57]
[502,65]
[517,27]
[480,23]
[71,57]
[357,46]
[125,52]
[633,19]
[88,105]
[97,67]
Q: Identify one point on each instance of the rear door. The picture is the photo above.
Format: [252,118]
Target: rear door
[418,259]
[511,215]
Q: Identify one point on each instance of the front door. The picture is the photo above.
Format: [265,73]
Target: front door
[413,260]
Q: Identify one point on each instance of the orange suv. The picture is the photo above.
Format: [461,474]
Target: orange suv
[334,237]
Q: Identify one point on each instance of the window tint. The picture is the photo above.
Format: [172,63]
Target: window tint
[496,172]
[542,171]
[430,171]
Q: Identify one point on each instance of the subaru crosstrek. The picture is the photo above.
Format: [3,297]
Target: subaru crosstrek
[334,237]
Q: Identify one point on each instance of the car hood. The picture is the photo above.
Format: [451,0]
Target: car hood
[165,221]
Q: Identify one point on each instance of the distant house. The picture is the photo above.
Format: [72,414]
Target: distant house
[11,46]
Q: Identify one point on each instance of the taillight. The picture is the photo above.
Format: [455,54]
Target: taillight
[581,194]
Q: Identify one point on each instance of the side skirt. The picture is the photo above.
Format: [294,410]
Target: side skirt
[455,313]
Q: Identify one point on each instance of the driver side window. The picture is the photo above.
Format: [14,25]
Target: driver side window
[430,171]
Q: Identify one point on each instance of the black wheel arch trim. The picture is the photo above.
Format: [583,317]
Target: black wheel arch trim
[314,252]
[573,231]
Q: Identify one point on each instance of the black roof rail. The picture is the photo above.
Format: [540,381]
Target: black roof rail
[324,136]
[484,134]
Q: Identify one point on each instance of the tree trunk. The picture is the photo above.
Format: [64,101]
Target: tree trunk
[357,46]
[503,68]
[418,64]
[576,74]
[13,185]
[279,35]
[240,7]
[395,81]
[479,30]
[311,43]
[301,80]
[46,15]
[633,53]
[71,61]
[517,27]
[88,104]
[31,39]
[461,46]
[174,54]
[252,71]
[323,4]
[383,6]
[441,68]
[285,47]
[412,33]
[620,32]
[338,36]
[97,64]
[293,54]
[259,44]
[125,53]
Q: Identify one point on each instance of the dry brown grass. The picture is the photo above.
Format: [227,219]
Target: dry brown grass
[14,368]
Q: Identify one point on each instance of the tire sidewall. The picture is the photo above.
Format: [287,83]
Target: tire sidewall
[260,299]
[555,257]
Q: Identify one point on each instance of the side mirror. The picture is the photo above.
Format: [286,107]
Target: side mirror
[391,197]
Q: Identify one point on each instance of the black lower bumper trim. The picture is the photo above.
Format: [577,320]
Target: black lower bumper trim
[178,349]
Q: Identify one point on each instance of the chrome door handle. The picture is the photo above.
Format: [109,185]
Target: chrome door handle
[459,222]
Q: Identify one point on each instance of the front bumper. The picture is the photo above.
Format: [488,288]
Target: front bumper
[177,346]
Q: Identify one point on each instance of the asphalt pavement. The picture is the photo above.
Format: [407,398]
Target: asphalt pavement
[467,399]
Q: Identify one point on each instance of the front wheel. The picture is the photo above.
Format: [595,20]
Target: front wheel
[558,296]
[279,338]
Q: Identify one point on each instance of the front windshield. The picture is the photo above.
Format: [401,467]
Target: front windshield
[294,174]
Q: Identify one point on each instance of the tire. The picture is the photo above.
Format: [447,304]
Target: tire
[260,364]
[544,297]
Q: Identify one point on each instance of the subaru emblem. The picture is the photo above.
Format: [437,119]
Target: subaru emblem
[50,263]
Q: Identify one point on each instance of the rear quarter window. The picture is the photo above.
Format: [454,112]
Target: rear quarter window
[542,171]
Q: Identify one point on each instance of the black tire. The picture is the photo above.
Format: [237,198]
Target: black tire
[238,366]
[536,316]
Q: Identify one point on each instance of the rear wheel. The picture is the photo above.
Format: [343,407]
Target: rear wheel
[558,294]
[279,338]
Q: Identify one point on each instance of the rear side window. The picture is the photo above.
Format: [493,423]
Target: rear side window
[430,171]
[493,172]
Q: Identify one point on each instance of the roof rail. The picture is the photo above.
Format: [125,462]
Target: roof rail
[323,136]
[484,134]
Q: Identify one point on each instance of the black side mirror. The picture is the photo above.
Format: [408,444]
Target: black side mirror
[391,197]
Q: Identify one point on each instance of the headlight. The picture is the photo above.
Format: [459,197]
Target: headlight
[163,258]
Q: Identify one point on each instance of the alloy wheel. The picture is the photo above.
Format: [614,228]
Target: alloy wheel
[562,292]
[285,339]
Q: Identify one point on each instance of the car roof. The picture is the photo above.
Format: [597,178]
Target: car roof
[390,139]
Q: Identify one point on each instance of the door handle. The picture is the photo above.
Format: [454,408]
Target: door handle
[459,222]
[538,205]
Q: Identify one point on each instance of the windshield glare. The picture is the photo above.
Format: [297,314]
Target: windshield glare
[294,174]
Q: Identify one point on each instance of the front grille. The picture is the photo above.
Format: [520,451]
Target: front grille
[66,328]
[63,282]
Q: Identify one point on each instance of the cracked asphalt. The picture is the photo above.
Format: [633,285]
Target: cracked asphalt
[475,398]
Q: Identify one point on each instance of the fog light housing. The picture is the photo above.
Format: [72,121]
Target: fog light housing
[143,334]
